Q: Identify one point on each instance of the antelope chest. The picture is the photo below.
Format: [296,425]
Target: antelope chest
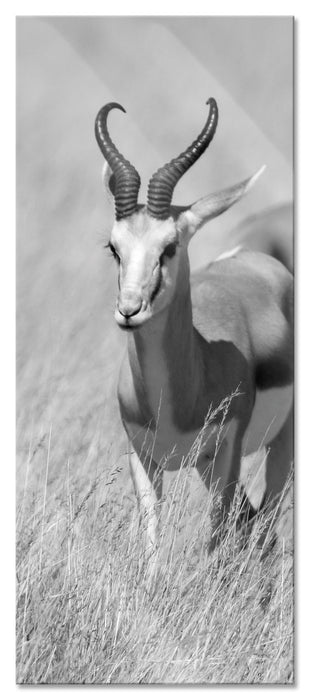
[161,439]
[170,448]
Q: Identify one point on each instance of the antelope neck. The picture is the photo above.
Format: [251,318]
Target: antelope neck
[166,355]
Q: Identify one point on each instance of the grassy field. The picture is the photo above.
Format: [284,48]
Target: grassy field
[84,611]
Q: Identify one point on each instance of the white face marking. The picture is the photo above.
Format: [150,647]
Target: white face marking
[147,273]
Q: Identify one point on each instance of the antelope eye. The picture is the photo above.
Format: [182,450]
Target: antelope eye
[169,252]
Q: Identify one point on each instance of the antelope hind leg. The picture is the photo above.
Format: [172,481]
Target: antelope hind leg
[279,461]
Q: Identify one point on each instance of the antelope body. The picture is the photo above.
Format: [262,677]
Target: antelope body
[194,342]
[270,232]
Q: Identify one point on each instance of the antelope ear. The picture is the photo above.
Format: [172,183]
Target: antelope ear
[213,205]
[108,180]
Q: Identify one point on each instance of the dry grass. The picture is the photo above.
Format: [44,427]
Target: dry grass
[86,612]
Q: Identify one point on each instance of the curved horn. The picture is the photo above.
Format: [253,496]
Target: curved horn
[126,180]
[163,182]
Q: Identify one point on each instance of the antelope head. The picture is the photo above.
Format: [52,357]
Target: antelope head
[149,243]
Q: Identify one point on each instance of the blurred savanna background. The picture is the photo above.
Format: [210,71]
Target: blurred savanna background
[77,524]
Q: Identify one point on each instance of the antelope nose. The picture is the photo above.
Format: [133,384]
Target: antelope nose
[129,306]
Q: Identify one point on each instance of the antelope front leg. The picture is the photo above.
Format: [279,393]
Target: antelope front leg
[147,480]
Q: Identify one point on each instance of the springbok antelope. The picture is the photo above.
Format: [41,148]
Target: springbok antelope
[191,344]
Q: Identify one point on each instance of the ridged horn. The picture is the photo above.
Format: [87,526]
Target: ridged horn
[163,182]
[126,178]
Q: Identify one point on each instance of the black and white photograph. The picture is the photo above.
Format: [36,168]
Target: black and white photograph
[155,498]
